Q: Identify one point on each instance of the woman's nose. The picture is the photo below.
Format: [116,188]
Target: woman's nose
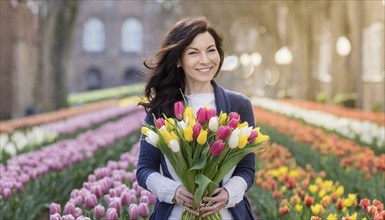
[204,58]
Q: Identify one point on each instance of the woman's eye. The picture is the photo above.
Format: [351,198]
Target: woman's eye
[212,50]
[192,53]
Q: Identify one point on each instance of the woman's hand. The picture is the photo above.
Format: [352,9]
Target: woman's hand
[219,200]
[185,199]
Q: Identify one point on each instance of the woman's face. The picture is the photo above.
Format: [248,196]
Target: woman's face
[200,60]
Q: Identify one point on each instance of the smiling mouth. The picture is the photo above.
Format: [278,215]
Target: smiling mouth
[204,70]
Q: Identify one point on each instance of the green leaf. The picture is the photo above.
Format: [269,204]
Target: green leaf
[202,182]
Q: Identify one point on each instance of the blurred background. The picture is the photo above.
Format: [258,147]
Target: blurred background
[325,51]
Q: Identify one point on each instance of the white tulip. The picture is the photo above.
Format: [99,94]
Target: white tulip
[246,131]
[213,124]
[234,138]
[152,138]
[182,124]
[174,145]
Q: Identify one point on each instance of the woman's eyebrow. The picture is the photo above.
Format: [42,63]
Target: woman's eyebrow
[193,48]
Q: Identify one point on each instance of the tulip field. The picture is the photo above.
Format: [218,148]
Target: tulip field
[321,162]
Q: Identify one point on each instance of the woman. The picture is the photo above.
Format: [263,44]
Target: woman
[190,57]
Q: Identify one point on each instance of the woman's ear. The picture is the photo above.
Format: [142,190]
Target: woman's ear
[178,63]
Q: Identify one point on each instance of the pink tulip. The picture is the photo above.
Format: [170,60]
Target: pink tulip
[234,115]
[143,210]
[178,110]
[252,137]
[223,132]
[133,211]
[90,201]
[69,208]
[116,203]
[201,115]
[159,122]
[144,199]
[99,211]
[196,130]
[7,192]
[111,214]
[78,212]
[55,216]
[54,208]
[217,147]
[210,113]
[97,190]
[68,217]
[233,123]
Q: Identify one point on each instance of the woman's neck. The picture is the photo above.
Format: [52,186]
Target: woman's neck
[201,88]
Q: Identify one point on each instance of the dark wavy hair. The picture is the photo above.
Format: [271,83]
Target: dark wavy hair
[166,81]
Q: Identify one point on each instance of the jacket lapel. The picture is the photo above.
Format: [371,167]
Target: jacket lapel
[221,100]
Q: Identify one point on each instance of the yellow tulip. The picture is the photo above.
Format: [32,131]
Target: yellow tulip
[145,130]
[202,137]
[283,170]
[340,190]
[262,138]
[188,116]
[188,134]
[294,173]
[174,136]
[244,124]
[321,193]
[222,118]
[242,141]
[332,216]
[170,124]
[313,188]
[298,208]
[166,135]
[316,209]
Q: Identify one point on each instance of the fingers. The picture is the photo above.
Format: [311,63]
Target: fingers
[185,199]
[219,200]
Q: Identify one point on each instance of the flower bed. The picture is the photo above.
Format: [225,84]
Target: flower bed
[342,159]
[365,132]
[284,190]
[111,192]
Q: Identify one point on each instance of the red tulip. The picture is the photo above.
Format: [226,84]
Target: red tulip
[178,110]
[234,115]
[233,123]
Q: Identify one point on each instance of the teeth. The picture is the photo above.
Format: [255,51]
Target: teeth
[204,70]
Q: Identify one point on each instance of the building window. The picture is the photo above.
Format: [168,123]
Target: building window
[131,76]
[93,35]
[132,35]
[93,79]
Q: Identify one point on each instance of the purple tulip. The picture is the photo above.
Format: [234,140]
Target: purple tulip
[196,130]
[127,198]
[210,113]
[217,147]
[233,123]
[90,201]
[69,208]
[143,210]
[111,214]
[253,136]
[133,211]
[92,178]
[178,110]
[201,115]
[160,122]
[223,132]
[54,208]
[99,211]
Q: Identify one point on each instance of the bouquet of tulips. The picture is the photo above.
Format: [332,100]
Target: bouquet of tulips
[202,149]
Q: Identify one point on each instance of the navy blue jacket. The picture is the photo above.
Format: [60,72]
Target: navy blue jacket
[150,157]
